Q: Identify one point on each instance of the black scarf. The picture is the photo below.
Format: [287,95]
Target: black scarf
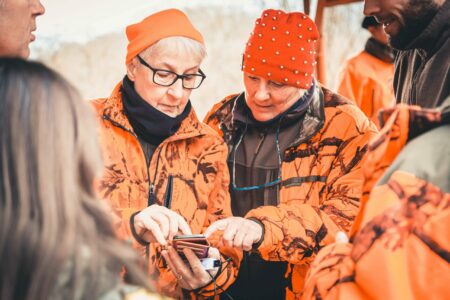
[243,114]
[150,124]
[379,50]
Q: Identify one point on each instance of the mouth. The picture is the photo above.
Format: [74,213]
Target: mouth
[32,35]
[388,24]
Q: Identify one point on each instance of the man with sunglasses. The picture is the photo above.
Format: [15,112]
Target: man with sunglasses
[295,159]
[165,171]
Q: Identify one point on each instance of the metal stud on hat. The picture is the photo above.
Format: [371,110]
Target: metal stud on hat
[281,50]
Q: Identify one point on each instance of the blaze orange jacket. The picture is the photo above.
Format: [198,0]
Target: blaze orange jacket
[321,181]
[367,80]
[400,243]
[195,157]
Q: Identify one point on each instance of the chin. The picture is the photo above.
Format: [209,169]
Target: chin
[263,118]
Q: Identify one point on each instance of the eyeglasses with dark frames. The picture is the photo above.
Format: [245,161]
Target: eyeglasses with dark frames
[167,78]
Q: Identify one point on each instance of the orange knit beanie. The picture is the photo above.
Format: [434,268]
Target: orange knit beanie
[166,23]
[282,48]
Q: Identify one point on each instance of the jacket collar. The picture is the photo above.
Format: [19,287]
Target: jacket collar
[311,123]
[436,33]
[379,50]
[113,111]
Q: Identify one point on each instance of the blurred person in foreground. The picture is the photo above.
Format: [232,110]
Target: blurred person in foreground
[367,77]
[56,238]
[17,24]
[165,171]
[400,244]
[295,159]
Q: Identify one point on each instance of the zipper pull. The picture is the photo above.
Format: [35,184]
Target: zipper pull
[151,195]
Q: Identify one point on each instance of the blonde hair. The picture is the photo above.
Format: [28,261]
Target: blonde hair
[56,238]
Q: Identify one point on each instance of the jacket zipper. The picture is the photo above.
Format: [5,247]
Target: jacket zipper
[151,195]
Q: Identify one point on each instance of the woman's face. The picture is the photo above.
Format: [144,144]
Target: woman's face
[267,99]
[170,100]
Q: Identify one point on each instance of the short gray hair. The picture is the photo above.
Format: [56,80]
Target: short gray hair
[180,43]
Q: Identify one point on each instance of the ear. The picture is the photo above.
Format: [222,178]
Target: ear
[132,69]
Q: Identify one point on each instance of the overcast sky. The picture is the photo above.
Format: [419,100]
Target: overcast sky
[82,20]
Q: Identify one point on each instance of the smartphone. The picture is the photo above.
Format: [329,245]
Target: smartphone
[196,242]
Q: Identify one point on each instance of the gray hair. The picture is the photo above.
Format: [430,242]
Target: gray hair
[177,43]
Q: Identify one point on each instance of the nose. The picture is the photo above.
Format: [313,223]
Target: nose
[262,93]
[176,89]
[371,7]
[39,9]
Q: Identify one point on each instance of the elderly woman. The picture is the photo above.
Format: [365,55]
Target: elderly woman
[56,238]
[295,159]
[165,172]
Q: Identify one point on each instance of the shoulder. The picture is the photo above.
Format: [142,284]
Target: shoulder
[220,110]
[99,105]
[345,112]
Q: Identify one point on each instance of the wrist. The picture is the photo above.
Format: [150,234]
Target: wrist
[136,235]
[261,239]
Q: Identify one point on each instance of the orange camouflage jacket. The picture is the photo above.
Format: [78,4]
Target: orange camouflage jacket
[321,181]
[195,157]
[400,243]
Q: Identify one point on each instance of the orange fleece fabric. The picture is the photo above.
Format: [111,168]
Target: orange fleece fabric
[163,24]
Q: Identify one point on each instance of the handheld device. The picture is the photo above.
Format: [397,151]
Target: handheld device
[196,242]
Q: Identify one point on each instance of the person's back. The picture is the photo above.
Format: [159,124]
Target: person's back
[56,237]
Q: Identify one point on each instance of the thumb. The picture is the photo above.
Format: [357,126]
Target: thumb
[218,225]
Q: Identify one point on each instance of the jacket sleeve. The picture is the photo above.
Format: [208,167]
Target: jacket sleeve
[219,207]
[401,250]
[296,229]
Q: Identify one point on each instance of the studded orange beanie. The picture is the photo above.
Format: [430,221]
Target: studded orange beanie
[165,23]
[282,48]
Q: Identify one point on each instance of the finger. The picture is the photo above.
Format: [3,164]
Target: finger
[247,243]
[195,264]
[229,233]
[153,227]
[213,253]
[172,266]
[218,225]
[241,233]
[163,222]
[183,225]
[179,266]
[173,222]
[173,228]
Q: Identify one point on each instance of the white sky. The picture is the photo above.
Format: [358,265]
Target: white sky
[83,20]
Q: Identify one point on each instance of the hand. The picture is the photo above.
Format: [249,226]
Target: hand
[237,232]
[190,275]
[341,237]
[159,224]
